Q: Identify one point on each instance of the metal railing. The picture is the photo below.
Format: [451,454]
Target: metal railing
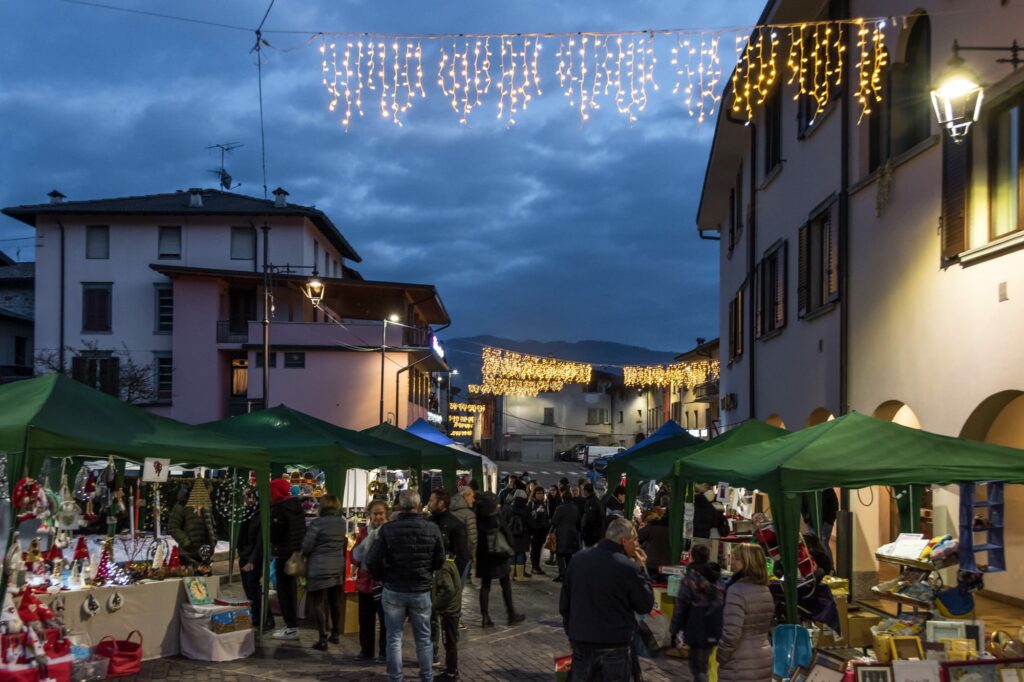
[232,333]
[708,391]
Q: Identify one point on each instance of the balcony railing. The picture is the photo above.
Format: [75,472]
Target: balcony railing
[706,392]
[232,333]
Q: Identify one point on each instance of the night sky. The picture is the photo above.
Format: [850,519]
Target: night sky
[547,230]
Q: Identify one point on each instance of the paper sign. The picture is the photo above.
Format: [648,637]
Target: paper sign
[155,470]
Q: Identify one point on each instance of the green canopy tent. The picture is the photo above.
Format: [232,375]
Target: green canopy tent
[432,456]
[852,451]
[293,437]
[653,461]
[751,431]
[54,416]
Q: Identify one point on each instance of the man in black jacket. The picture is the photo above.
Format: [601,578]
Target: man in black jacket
[287,530]
[250,563]
[592,518]
[605,588]
[453,531]
[404,557]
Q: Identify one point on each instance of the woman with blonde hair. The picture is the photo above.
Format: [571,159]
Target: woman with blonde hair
[371,609]
[744,653]
[324,547]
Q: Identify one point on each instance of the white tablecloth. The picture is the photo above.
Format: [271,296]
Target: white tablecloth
[151,608]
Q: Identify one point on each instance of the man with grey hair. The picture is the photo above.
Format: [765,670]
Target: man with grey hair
[605,587]
[407,552]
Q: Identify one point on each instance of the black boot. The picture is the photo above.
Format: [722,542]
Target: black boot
[321,644]
[485,602]
[510,609]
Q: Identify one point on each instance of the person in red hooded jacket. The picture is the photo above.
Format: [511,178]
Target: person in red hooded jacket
[287,530]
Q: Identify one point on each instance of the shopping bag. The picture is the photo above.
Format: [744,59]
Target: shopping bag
[655,631]
[563,664]
[551,543]
[124,654]
[674,583]
[296,565]
[713,666]
[497,544]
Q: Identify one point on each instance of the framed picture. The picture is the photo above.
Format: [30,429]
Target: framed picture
[915,671]
[1009,675]
[975,629]
[972,671]
[197,590]
[907,648]
[874,673]
[155,470]
[825,659]
[938,630]
[820,673]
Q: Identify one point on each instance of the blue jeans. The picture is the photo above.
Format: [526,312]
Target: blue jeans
[519,559]
[594,662]
[417,606]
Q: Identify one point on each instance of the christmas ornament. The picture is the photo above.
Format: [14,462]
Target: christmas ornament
[199,496]
[75,580]
[4,492]
[29,499]
[54,555]
[205,553]
[15,559]
[175,559]
[109,572]
[115,602]
[158,553]
[58,607]
[81,550]
[33,554]
[235,500]
[69,516]
[90,607]
[9,619]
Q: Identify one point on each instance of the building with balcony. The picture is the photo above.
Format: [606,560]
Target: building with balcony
[874,266]
[159,299]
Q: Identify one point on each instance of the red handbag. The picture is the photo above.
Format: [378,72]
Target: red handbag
[124,654]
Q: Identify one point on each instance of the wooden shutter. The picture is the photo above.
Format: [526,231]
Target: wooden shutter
[733,218]
[803,285]
[732,329]
[110,378]
[759,289]
[78,369]
[830,233]
[739,322]
[781,259]
[955,170]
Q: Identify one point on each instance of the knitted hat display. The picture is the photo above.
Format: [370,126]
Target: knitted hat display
[199,498]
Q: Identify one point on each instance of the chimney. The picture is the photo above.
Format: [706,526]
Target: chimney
[701,340]
[279,198]
[195,199]
[56,197]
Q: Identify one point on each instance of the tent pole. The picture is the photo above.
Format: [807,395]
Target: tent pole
[233,531]
[264,491]
[12,531]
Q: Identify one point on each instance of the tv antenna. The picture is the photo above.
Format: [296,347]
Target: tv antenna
[222,173]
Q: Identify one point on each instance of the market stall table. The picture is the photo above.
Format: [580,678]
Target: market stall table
[152,608]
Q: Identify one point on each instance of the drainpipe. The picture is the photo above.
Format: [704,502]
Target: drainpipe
[60,352]
[751,245]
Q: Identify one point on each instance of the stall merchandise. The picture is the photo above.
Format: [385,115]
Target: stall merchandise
[490,470]
[432,456]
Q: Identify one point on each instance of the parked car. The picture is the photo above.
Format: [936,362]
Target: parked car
[592,452]
[569,455]
[601,464]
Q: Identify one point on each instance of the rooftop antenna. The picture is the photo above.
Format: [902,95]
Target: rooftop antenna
[222,173]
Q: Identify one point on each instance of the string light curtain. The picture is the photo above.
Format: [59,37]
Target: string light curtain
[385,75]
[466,407]
[508,373]
[677,375]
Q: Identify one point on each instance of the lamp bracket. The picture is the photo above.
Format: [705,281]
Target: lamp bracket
[1015,59]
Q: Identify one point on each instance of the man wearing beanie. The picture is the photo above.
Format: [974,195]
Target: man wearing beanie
[287,530]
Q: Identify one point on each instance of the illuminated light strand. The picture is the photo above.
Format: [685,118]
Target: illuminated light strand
[619,66]
[678,375]
[466,407]
[509,373]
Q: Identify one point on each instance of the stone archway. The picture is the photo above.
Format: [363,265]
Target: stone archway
[897,412]
[819,415]
[775,420]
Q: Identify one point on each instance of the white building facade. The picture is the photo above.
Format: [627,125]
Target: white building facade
[877,267]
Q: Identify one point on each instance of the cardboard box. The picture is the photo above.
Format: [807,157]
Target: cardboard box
[667,605]
[859,629]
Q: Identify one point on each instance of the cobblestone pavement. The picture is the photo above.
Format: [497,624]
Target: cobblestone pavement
[522,653]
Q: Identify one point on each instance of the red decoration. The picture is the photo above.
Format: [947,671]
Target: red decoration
[81,550]
[175,559]
[54,554]
[32,610]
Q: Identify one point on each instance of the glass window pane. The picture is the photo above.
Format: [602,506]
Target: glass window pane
[1006,173]
[97,241]
[170,241]
[243,243]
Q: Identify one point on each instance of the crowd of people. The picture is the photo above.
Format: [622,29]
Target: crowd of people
[413,565]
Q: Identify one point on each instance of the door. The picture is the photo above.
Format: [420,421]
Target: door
[538,449]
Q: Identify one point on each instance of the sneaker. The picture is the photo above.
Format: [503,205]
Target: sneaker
[381,660]
[463,626]
[286,633]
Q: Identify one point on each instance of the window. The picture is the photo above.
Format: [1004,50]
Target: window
[956,171]
[97,242]
[1005,177]
[620,416]
[327,263]
[316,252]
[169,242]
[96,306]
[99,369]
[337,268]
[294,360]
[21,351]
[911,113]
[773,130]
[677,412]
[736,212]
[239,377]
[164,377]
[549,416]
[880,125]
[818,266]
[736,326]
[597,415]
[243,243]
[259,359]
[164,308]
[770,291]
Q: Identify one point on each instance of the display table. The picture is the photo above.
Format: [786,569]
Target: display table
[200,643]
[152,608]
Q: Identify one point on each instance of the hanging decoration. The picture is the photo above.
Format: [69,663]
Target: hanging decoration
[461,425]
[473,408]
[680,375]
[385,75]
[509,373]
[235,499]
[5,494]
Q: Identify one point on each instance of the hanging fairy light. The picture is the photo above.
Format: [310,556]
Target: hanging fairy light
[506,70]
[508,373]
[466,407]
[677,375]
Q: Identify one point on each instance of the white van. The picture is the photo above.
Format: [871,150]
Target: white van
[591,452]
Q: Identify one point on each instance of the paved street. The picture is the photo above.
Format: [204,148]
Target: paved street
[547,473]
[522,653]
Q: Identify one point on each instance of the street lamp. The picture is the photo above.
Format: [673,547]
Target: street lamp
[958,94]
[393,318]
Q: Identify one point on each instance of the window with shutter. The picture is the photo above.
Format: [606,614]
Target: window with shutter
[770,291]
[169,242]
[739,210]
[732,330]
[97,242]
[773,130]
[830,236]
[243,243]
[732,219]
[757,293]
[803,286]
[96,307]
[780,286]
[1006,148]
[818,263]
[164,369]
[739,322]
[164,309]
[911,85]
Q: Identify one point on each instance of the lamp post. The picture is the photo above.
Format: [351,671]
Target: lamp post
[393,318]
[958,94]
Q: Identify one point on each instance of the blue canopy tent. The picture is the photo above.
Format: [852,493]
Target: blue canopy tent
[423,429]
[666,430]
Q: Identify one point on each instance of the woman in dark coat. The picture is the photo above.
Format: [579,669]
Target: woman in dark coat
[517,516]
[324,548]
[490,566]
[540,522]
[565,525]
[654,538]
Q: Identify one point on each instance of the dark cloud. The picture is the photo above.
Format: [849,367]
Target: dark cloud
[548,230]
